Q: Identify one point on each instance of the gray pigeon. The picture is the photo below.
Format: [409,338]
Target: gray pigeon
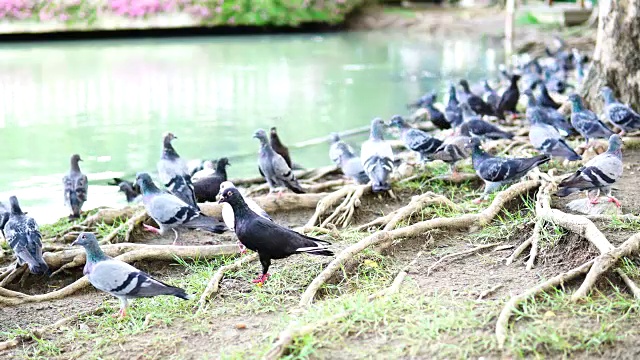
[546,138]
[23,235]
[377,158]
[490,96]
[334,149]
[453,112]
[618,114]
[586,121]
[5,213]
[416,139]
[75,188]
[350,164]
[473,125]
[547,115]
[453,149]
[497,171]
[119,278]
[275,169]
[170,212]
[599,173]
[174,174]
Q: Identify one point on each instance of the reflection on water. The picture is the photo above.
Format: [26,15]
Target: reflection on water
[110,101]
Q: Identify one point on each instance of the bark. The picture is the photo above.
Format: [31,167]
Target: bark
[616,59]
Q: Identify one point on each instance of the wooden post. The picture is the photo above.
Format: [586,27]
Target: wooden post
[509,26]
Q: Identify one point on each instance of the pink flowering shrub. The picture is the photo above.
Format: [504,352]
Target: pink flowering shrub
[210,12]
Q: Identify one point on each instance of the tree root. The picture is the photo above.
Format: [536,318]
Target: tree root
[488,292]
[286,337]
[350,196]
[36,334]
[635,290]
[461,253]
[272,203]
[322,172]
[535,237]
[129,225]
[18,271]
[128,253]
[449,179]
[507,310]
[214,284]
[519,250]
[463,221]
[604,262]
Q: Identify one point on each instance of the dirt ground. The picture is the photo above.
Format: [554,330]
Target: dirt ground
[226,330]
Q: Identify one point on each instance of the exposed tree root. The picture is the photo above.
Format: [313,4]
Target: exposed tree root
[286,337]
[272,203]
[214,283]
[38,333]
[128,253]
[535,237]
[463,221]
[519,250]
[604,262]
[507,310]
[350,196]
[107,216]
[129,225]
[322,172]
[18,271]
[308,188]
[635,290]
[461,253]
[449,179]
[488,292]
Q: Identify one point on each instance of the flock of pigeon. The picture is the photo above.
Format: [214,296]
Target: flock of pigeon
[466,119]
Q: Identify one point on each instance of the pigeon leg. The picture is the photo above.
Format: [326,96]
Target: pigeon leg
[266,262]
[151,228]
[123,308]
[260,280]
[614,200]
[243,249]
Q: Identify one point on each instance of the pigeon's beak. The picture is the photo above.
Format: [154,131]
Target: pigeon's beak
[74,243]
[221,200]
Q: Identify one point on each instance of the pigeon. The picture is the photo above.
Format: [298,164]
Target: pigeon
[544,99]
[350,164]
[23,235]
[377,158]
[227,210]
[490,96]
[473,125]
[475,102]
[75,187]
[416,139]
[586,122]
[174,174]
[497,171]
[618,114]
[207,169]
[546,138]
[420,102]
[335,151]
[452,150]
[453,112]
[170,212]
[130,190]
[599,173]
[274,167]
[548,116]
[436,116]
[510,97]
[5,213]
[207,188]
[278,147]
[268,239]
[119,278]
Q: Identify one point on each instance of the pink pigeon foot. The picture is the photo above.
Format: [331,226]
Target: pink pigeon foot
[478,200]
[615,201]
[121,314]
[151,228]
[260,280]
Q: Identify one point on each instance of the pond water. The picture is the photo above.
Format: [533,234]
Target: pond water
[111,100]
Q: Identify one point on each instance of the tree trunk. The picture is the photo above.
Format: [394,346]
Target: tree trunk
[616,59]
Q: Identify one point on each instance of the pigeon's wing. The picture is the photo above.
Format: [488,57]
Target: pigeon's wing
[623,116]
[169,210]
[371,148]
[24,237]
[539,133]
[121,279]
[606,166]
[256,208]
[588,124]
[68,187]
[81,187]
[284,174]
[501,169]
[168,169]
[600,172]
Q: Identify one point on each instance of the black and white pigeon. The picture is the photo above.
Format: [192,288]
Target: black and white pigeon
[544,99]
[350,164]
[377,158]
[170,212]
[174,174]
[473,125]
[509,99]
[208,187]
[24,238]
[335,149]
[490,96]
[268,239]
[208,168]
[549,116]
[436,116]
[498,171]
[274,167]
[75,187]
[586,122]
[546,138]
[130,190]
[453,112]
[475,102]
[416,139]
[618,114]
[599,173]
[119,278]
[453,149]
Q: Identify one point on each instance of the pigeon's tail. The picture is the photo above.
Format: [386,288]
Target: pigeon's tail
[361,177]
[207,223]
[180,293]
[497,134]
[75,203]
[379,168]
[566,191]
[318,251]
[558,147]
[39,268]
[295,186]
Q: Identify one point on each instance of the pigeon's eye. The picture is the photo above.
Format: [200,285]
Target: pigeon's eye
[228,193]
[84,236]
